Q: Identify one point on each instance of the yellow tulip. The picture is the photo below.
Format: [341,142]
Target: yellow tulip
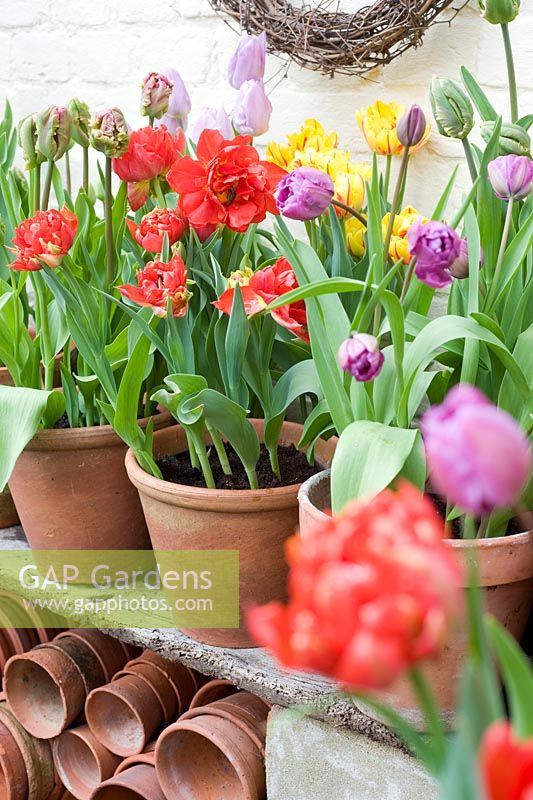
[350,190]
[378,123]
[399,246]
[311,136]
[355,237]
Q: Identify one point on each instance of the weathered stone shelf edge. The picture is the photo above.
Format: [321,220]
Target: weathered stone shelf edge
[251,669]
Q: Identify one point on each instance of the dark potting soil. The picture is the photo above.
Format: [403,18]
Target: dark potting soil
[455,526]
[294,468]
[62,423]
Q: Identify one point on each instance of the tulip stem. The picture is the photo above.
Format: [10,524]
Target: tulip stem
[427,703]
[396,198]
[68,174]
[159,193]
[85,170]
[499,264]
[221,450]
[47,185]
[408,277]
[470,159]
[37,188]
[386,181]
[350,210]
[47,357]
[109,244]
[513,94]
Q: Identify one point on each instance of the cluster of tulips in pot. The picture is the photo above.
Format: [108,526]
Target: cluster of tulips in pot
[86,716]
[191,332]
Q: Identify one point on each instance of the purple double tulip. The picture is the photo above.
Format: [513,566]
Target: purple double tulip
[440,252]
[305,193]
[478,456]
[361,357]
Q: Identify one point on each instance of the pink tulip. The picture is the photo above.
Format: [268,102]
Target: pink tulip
[478,456]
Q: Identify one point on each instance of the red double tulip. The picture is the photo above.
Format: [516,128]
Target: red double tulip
[158,283]
[372,592]
[227,184]
[261,288]
[150,155]
[506,764]
[153,227]
[44,238]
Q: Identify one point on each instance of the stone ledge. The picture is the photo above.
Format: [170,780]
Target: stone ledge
[250,669]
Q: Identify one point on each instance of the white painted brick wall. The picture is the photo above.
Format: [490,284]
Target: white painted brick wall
[99,50]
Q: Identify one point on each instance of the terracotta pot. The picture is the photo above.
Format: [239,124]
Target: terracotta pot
[212,691]
[82,762]
[137,783]
[131,651]
[7,380]
[160,683]
[189,518]
[146,757]
[89,666]
[245,710]
[179,675]
[107,650]
[505,566]
[13,778]
[211,758]
[99,511]
[8,512]
[124,715]
[45,691]
[36,756]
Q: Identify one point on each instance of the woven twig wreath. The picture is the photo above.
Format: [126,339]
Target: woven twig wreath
[336,41]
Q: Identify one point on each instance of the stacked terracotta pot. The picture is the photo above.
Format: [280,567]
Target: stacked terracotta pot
[81,718]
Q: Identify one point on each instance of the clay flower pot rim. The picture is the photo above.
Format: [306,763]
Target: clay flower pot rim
[225,499]
[85,438]
[490,547]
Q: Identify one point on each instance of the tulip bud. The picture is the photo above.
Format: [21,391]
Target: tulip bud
[54,128]
[452,108]
[156,91]
[460,267]
[109,133]
[499,12]
[216,119]
[411,127]
[27,138]
[514,140]
[81,117]
[361,357]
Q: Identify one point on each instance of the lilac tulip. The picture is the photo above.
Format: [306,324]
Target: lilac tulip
[411,127]
[437,247]
[477,454]
[305,193]
[361,357]
[248,60]
[179,103]
[215,119]
[253,109]
[511,176]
